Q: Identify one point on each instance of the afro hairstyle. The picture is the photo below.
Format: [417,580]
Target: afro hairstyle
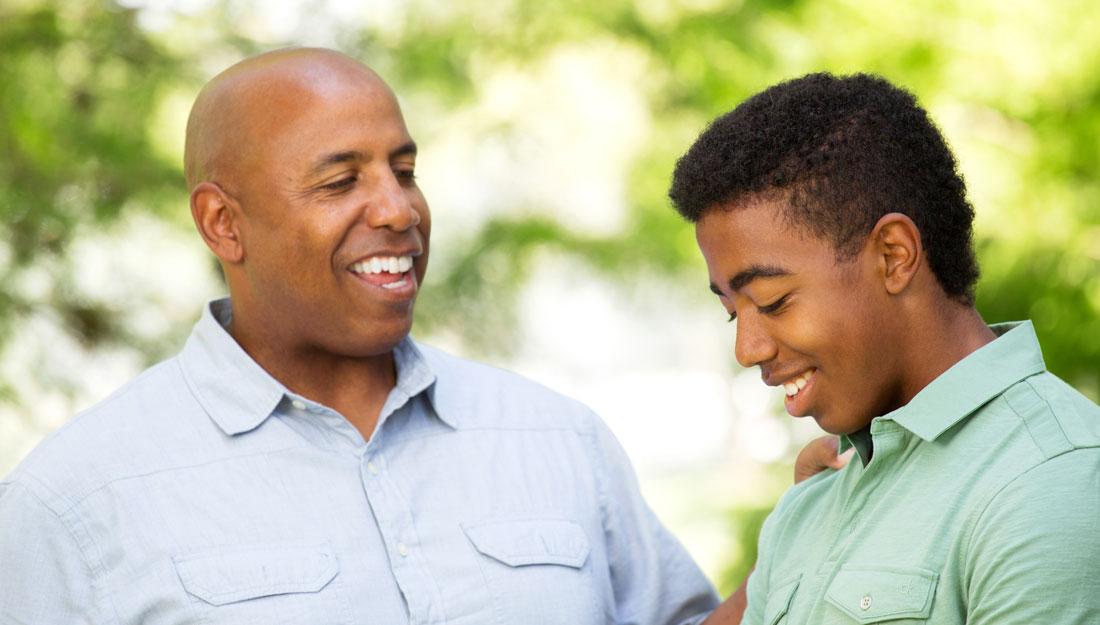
[838,153]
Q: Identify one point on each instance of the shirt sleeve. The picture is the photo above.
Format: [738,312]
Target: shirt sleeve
[653,578]
[1034,550]
[44,577]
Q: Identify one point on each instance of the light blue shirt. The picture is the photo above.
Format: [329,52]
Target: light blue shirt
[206,492]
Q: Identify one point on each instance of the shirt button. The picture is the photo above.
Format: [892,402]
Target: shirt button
[402,549]
[865,602]
[299,404]
[373,469]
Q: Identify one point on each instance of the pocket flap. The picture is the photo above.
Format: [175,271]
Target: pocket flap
[225,576]
[871,594]
[779,601]
[521,542]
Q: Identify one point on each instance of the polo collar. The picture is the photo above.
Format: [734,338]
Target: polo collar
[970,383]
[239,395]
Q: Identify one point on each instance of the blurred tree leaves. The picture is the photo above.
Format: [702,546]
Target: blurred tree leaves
[77,85]
[82,79]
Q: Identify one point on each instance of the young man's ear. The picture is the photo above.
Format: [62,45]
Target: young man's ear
[215,213]
[897,245]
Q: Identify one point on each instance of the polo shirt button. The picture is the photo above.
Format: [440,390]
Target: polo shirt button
[373,469]
[865,602]
[299,404]
[402,549]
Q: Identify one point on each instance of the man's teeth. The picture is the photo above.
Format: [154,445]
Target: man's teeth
[792,386]
[388,264]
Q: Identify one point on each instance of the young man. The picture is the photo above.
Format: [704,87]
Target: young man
[302,460]
[837,235]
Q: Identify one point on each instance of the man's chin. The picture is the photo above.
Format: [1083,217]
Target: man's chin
[378,344]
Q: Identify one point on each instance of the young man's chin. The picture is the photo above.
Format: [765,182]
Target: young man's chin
[830,426]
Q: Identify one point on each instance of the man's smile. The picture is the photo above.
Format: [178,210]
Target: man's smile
[393,273]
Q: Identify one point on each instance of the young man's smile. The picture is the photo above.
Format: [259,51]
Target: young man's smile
[812,323]
[798,390]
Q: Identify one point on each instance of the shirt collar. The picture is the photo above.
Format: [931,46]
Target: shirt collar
[970,383]
[239,395]
[415,375]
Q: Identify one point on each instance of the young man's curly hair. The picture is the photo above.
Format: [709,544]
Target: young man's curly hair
[839,153]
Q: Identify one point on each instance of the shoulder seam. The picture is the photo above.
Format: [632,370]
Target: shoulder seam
[95,571]
[1019,403]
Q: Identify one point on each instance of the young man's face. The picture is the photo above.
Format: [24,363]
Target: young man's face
[813,324]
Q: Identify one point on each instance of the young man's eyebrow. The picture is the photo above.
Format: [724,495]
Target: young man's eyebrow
[746,276]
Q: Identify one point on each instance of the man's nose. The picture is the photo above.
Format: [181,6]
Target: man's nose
[391,206]
[753,344]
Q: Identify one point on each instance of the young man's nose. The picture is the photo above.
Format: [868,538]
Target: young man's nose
[753,344]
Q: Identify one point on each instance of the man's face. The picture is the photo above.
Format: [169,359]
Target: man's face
[812,324]
[334,229]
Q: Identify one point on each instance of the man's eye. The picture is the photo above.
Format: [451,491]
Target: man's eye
[340,184]
[774,306]
[405,175]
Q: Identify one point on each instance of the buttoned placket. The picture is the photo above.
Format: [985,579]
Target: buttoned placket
[887,440]
[396,525]
[393,516]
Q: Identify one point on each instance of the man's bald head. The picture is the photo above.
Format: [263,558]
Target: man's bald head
[237,107]
[301,169]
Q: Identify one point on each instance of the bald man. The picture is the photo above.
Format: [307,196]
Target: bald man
[302,460]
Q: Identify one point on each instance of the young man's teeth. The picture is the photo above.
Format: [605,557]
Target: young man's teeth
[794,385]
[388,264]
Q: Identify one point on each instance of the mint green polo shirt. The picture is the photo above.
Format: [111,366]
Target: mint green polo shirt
[980,505]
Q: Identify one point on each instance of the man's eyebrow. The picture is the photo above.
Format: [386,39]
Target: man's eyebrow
[408,149]
[752,273]
[336,158]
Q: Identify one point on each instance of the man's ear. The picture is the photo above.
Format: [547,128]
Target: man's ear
[896,242]
[216,213]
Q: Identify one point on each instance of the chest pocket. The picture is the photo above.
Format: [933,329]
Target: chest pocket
[779,601]
[527,542]
[877,594]
[266,584]
[535,568]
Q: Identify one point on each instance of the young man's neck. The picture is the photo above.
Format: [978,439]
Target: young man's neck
[934,343]
[941,338]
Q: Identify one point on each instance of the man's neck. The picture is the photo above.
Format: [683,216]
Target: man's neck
[354,386]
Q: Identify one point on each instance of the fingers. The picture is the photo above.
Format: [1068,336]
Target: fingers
[840,461]
[818,455]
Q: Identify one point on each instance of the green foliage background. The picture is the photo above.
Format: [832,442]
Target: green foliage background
[86,89]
